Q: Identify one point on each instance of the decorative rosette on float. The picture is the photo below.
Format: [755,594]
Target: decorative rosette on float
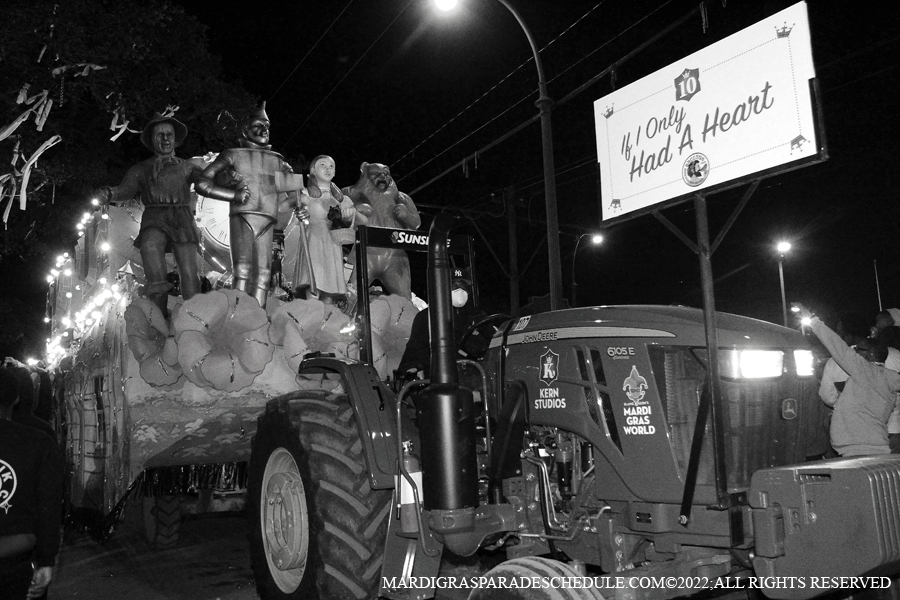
[305,326]
[223,339]
[391,319]
[150,342]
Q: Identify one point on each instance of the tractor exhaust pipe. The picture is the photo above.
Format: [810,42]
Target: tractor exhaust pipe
[445,411]
[440,308]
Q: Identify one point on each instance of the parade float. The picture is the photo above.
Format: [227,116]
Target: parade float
[162,410]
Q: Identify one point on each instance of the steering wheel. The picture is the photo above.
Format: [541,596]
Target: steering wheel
[495,320]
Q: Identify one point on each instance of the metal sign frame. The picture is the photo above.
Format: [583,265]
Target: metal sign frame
[396,239]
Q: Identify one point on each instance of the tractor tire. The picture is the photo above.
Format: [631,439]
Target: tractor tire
[529,567]
[162,521]
[317,530]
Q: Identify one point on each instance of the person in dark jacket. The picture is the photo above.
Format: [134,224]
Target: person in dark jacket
[417,356]
[23,411]
[31,482]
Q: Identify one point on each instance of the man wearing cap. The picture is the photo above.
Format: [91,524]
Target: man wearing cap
[167,225]
[417,356]
[263,178]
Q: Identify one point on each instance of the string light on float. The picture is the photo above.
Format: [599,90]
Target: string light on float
[103,208]
[98,298]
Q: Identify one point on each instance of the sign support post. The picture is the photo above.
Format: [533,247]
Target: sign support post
[712,349]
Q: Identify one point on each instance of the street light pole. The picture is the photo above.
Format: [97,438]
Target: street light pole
[596,238]
[544,103]
[783,298]
[783,248]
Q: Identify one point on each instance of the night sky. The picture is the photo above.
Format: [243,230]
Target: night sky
[396,82]
[399,83]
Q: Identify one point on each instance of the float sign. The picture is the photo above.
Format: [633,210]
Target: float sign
[740,107]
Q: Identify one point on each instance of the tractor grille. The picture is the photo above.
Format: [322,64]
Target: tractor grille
[761,430]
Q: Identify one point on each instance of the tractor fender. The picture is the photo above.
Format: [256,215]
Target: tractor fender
[374,406]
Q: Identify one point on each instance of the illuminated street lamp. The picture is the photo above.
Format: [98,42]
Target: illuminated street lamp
[596,239]
[783,248]
[543,103]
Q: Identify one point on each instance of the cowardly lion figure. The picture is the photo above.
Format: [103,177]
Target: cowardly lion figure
[376,196]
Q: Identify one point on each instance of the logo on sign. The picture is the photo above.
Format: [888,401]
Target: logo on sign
[549,367]
[401,237]
[789,409]
[7,485]
[783,32]
[687,85]
[635,386]
[521,324]
[695,169]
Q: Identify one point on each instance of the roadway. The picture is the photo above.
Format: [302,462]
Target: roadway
[210,562]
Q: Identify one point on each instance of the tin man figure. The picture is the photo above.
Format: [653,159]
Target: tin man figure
[262,178]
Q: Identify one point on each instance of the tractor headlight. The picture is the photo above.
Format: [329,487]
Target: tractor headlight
[752,364]
[805,363]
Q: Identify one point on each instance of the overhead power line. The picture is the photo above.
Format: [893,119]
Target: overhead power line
[305,56]
[568,97]
[494,87]
[610,69]
[337,85]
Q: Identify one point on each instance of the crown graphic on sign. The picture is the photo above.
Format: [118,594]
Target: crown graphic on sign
[784,31]
[608,112]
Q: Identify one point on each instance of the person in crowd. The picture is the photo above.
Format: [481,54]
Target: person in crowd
[859,423]
[417,356]
[853,327]
[23,412]
[31,483]
[891,337]
[885,318]
[167,224]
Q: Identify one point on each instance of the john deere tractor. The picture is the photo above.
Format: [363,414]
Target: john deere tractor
[595,450]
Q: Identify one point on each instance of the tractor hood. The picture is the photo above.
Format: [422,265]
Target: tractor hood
[652,321]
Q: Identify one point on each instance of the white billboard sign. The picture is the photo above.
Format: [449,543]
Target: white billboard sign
[742,106]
